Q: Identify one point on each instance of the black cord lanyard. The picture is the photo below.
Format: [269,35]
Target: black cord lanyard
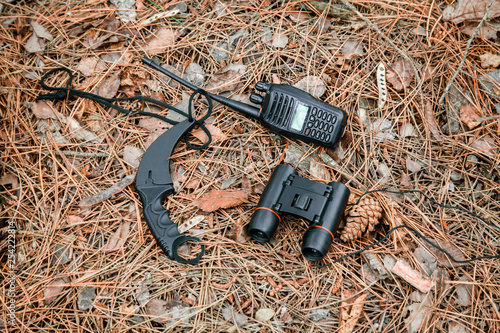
[418,234]
[64,92]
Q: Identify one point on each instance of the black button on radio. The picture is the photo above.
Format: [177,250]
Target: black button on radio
[256,98]
[320,113]
[312,118]
[316,123]
[310,124]
[328,137]
[324,116]
[313,132]
[322,136]
[313,112]
[329,118]
[261,86]
[334,120]
[330,129]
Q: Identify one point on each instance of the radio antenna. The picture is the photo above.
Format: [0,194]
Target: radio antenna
[235,105]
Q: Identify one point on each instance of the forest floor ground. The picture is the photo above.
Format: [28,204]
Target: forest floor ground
[428,121]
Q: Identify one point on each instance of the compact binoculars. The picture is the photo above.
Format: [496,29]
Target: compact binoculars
[288,193]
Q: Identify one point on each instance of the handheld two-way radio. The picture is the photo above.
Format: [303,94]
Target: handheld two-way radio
[284,109]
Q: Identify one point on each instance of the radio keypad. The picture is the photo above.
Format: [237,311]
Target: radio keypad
[320,124]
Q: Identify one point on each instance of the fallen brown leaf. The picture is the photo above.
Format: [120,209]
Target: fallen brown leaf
[312,85]
[163,311]
[161,40]
[127,309]
[420,313]
[227,78]
[154,124]
[74,220]
[9,179]
[40,31]
[216,199]
[412,165]
[280,40]
[457,327]
[350,314]
[151,138]
[407,130]
[299,17]
[405,180]
[90,66]
[490,60]
[119,237]
[318,170]
[429,117]
[157,308]
[285,316]
[468,114]
[246,185]
[451,249]
[353,49]
[132,155]
[215,132]
[470,10]
[464,292]
[490,82]
[44,110]
[487,31]
[486,145]
[122,57]
[53,290]
[238,233]
[400,74]
[322,24]
[428,73]
[110,86]
[111,23]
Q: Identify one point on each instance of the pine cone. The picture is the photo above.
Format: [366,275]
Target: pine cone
[361,218]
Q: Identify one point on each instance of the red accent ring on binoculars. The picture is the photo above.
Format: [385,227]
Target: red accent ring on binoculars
[270,211]
[319,226]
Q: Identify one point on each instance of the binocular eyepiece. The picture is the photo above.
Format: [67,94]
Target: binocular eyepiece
[288,193]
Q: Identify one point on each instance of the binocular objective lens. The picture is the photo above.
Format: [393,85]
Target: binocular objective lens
[312,254]
[258,235]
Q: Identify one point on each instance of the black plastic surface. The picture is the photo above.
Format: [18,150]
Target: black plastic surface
[154,183]
[324,124]
[287,193]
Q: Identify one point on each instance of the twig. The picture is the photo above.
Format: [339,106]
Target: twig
[469,42]
[488,118]
[224,286]
[108,193]
[387,39]
[81,154]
